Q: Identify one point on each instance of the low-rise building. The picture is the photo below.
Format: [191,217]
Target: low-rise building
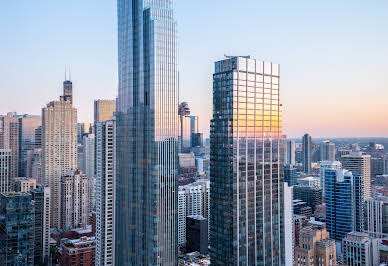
[78,251]
[359,249]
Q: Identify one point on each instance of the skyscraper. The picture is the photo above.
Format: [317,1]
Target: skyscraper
[359,163]
[246,164]
[344,202]
[9,139]
[105,191]
[59,146]
[5,165]
[104,110]
[88,153]
[147,134]
[16,229]
[290,155]
[306,153]
[27,129]
[184,124]
[327,150]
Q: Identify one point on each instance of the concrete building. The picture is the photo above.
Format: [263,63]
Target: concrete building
[24,184]
[376,217]
[59,146]
[74,200]
[16,229]
[105,191]
[315,247]
[359,163]
[327,151]
[193,199]
[197,235]
[104,110]
[9,139]
[5,170]
[41,198]
[359,249]
[306,153]
[290,154]
[78,252]
[289,228]
[89,154]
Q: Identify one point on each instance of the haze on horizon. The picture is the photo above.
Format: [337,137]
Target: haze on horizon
[333,57]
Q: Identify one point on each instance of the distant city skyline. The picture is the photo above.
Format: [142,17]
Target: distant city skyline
[334,78]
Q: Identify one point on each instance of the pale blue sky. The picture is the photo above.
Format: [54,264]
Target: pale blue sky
[333,56]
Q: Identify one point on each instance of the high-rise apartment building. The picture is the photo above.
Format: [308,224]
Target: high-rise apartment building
[16,229]
[334,165]
[104,110]
[147,134]
[290,154]
[105,191]
[327,150]
[74,200]
[41,198]
[376,217]
[315,247]
[359,249]
[306,153]
[290,174]
[89,155]
[246,169]
[193,199]
[344,202]
[5,168]
[27,129]
[359,163]
[59,146]
[9,139]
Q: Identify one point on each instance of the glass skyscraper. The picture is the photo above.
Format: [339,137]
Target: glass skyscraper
[147,134]
[246,164]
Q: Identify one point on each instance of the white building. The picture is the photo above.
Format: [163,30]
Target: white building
[309,181]
[288,225]
[24,184]
[88,154]
[376,211]
[5,175]
[105,191]
[59,145]
[193,199]
[74,201]
[359,249]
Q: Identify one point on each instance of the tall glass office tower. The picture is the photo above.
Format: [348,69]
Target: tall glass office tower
[246,164]
[147,134]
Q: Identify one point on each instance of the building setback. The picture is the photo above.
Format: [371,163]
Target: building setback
[246,164]
[59,146]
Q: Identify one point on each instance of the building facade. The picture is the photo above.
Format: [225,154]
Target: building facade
[359,163]
[344,202]
[41,198]
[78,252]
[306,153]
[147,134]
[16,229]
[358,249]
[290,155]
[9,139]
[74,200]
[5,170]
[376,217]
[89,154]
[246,164]
[104,110]
[105,191]
[59,146]
[327,150]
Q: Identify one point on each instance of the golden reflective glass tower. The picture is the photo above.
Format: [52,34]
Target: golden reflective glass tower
[246,164]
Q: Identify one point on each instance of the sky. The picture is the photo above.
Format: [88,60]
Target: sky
[333,57]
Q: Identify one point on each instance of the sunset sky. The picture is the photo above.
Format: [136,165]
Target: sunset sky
[333,57]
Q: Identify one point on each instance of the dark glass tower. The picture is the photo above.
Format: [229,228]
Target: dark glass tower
[306,150]
[147,134]
[246,164]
